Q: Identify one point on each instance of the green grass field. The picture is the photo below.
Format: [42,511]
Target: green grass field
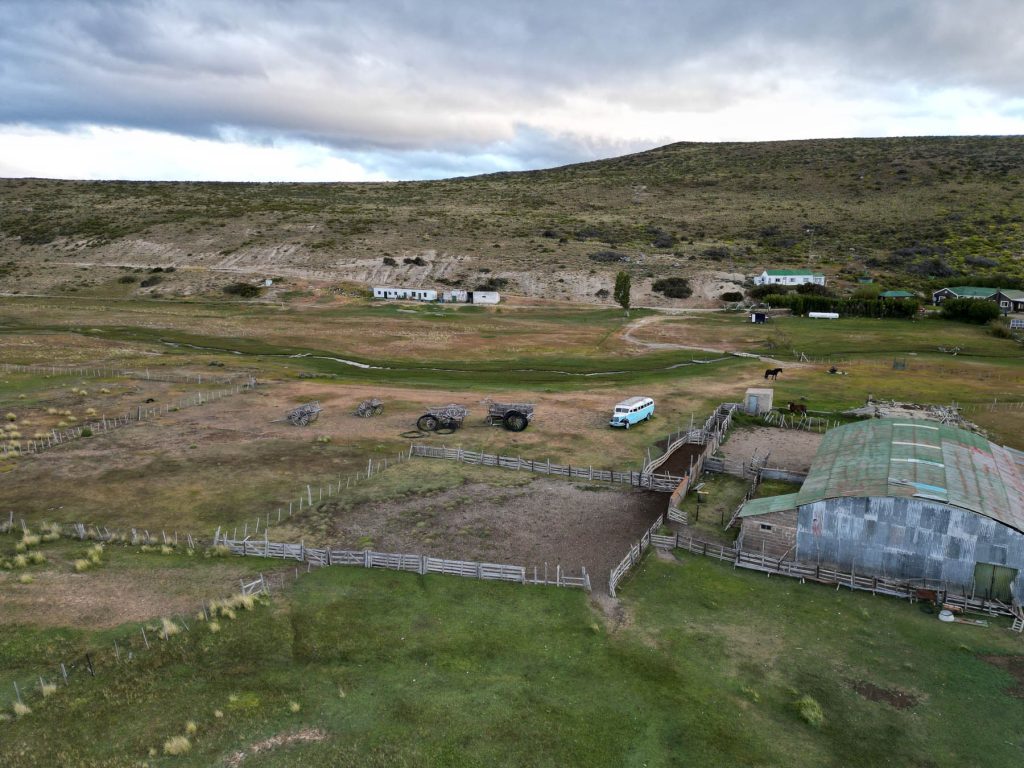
[395,669]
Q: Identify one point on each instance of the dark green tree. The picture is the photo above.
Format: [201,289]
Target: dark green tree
[622,285]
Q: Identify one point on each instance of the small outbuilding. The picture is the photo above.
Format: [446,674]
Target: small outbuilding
[758,400]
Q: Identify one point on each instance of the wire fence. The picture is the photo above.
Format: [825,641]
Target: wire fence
[104,424]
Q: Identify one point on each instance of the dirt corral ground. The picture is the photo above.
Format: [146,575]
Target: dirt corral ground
[791,449]
[543,521]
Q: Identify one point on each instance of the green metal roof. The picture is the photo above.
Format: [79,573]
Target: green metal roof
[768,504]
[917,458]
[970,291]
[1011,293]
[896,295]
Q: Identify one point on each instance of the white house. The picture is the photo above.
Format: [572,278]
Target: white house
[415,294]
[789,277]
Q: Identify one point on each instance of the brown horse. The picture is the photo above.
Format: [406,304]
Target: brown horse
[772,373]
[798,408]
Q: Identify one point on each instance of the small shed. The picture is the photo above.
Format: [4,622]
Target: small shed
[758,400]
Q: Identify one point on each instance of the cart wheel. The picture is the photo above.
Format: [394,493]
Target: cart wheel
[427,423]
[515,421]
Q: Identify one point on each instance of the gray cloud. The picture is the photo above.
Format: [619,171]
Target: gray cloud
[464,85]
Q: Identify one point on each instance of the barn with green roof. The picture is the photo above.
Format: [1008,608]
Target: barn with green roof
[904,499]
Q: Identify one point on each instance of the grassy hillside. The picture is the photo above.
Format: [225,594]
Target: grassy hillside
[905,210]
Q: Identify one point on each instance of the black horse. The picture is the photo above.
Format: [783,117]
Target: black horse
[772,373]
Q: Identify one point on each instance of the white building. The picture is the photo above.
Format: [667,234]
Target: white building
[483,297]
[414,294]
[789,277]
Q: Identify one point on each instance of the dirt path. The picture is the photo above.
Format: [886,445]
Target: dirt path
[627,336]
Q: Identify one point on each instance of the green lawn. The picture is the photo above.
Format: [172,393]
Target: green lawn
[397,669]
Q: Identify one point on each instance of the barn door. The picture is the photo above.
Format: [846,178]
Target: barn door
[992,582]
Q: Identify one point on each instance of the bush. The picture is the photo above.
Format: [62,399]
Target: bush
[177,745]
[1000,329]
[242,290]
[86,432]
[810,711]
[126,279]
[389,262]
[608,257]
[978,311]
[151,281]
[418,261]
[492,284]
[732,296]
[760,291]
[673,287]
[602,293]
[813,289]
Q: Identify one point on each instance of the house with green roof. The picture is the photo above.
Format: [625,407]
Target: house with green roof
[1008,299]
[904,499]
[791,277]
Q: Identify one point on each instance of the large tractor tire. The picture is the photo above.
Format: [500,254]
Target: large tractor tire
[427,423]
[516,421]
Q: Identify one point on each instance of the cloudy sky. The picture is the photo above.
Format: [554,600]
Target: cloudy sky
[316,90]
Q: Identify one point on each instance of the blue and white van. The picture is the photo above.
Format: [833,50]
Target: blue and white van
[631,411]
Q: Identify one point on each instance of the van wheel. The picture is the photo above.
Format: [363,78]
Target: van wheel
[627,425]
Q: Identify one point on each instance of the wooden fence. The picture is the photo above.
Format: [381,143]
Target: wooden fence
[421,564]
[106,424]
[634,555]
[906,589]
[119,373]
[656,482]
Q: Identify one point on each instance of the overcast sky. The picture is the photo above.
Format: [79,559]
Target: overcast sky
[312,90]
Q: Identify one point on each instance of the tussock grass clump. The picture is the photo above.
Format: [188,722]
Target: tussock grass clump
[168,628]
[219,551]
[294,707]
[36,558]
[19,561]
[25,579]
[81,565]
[191,728]
[218,714]
[214,626]
[166,550]
[11,416]
[810,711]
[48,689]
[177,745]
[104,391]
[30,540]
[95,554]
[20,710]
[52,411]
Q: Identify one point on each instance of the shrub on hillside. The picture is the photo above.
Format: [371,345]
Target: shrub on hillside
[151,280]
[126,279]
[760,291]
[389,262]
[970,310]
[732,296]
[608,256]
[242,290]
[813,289]
[493,284]
[673,287]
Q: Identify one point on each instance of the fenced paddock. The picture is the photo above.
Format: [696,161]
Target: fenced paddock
[104,424]
[92,372]
[421,564]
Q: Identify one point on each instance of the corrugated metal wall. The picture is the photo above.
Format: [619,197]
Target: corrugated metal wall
[906,539]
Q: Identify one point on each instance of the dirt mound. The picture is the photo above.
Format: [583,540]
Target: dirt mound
[894,697]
